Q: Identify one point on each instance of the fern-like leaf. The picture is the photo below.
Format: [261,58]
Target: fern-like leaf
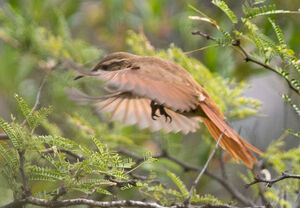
[223,6]
[98,144]
[180,185]
[278,32]
[8,160]
[289,101]
[13,134]
[22,105]
[266,11]
[43,174]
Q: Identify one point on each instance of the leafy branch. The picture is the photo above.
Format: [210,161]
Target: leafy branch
[249,58]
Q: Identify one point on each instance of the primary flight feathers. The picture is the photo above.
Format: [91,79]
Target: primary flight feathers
[155,93]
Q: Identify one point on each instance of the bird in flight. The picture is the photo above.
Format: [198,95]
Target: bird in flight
[158,94]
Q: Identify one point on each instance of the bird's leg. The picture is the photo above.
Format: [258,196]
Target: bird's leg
[163,112]
[154,108]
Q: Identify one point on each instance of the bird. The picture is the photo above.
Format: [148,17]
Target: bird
[155,93]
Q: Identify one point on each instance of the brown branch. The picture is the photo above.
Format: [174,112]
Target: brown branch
[207,36]
[188,167]
[122,183]
[249,58]
[270,183]
[120,203]
[26,191]
[3,137]
[73,154]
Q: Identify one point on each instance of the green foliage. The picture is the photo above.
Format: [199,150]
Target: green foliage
[223,6]
[170,196]
[84,170]
[265,10]
[268,49]
[33,118]
[72,146]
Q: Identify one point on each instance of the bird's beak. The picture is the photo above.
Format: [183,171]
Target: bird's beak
[78,77]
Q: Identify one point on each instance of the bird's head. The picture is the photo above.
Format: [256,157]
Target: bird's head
[114,61]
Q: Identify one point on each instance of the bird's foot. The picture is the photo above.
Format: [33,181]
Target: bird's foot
[154,107]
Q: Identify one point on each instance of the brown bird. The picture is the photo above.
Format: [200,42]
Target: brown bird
[155,93]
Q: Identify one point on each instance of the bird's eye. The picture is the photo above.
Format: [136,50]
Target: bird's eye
[104,67]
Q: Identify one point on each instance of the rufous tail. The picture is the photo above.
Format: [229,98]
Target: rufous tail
[230,141]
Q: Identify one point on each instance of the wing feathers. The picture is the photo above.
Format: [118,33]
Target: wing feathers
[175,96]
[136,110]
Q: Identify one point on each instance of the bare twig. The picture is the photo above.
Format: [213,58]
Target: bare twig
[120,203]
[207,36]
[223,169]
[249,58]
[37,102]
[3,137]
[270,183]
[38,96]
[187,201]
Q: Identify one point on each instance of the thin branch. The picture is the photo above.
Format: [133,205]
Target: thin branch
[270,183]
[3,137]
[222,164]
[26,192]
[249,58]
[38,96]
[207,36]
[73,154]
[37,102]
[122,183]
[187,201]
[120,203]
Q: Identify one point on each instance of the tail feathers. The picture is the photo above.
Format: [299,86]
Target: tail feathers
[231,141]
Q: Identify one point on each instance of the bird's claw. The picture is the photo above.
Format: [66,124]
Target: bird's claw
[153,115]
[155,107]
[167,116]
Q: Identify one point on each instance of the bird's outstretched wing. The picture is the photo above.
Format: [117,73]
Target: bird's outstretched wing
[131,109]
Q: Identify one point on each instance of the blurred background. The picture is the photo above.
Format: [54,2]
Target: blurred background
[32,30]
